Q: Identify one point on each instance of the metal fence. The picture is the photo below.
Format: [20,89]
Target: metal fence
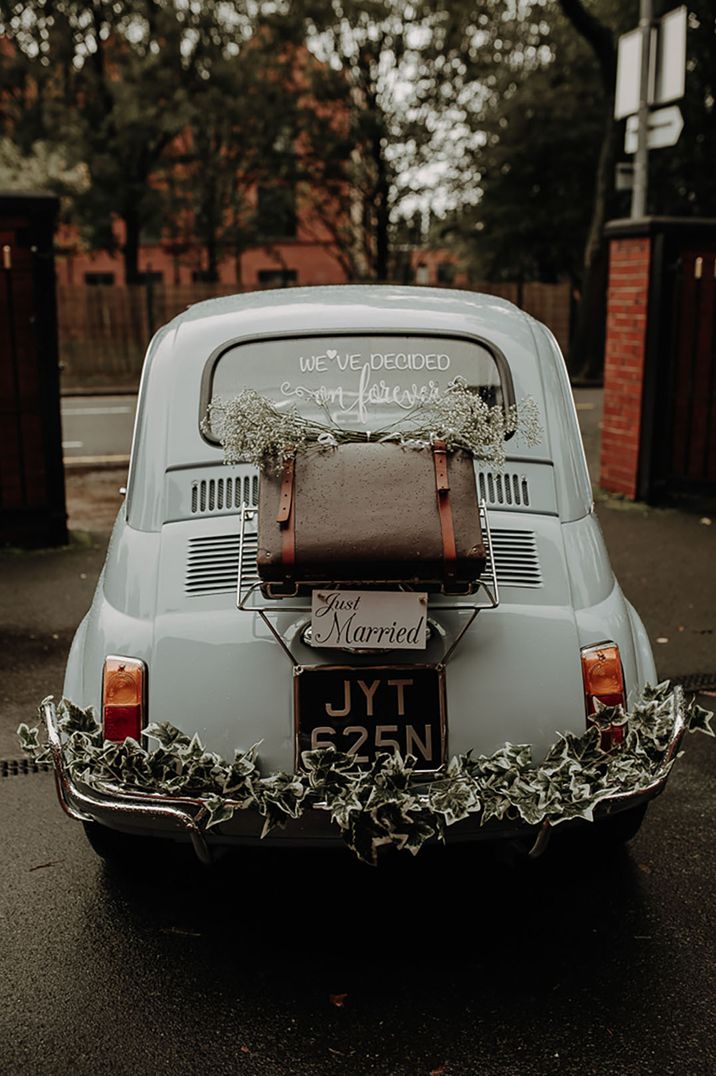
[104,330]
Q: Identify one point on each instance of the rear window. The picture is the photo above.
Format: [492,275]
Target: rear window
[359,382]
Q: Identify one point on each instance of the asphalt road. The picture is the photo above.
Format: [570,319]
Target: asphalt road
[97,427]
[286,963]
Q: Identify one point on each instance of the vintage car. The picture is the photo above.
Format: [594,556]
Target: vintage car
[183,630]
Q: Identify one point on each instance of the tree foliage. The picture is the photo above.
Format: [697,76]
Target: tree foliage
[374,112]
[117,83]
[497,113]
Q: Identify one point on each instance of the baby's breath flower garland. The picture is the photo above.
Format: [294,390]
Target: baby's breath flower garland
[387,803]
[251,429]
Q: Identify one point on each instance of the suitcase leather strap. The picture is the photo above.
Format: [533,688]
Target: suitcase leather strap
[447,526]
[286,517]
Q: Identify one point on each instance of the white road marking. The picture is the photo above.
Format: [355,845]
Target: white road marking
[97,410]
[74,460]
[72,444]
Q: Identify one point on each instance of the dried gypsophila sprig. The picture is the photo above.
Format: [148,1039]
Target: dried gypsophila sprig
[463,420]
[251,429]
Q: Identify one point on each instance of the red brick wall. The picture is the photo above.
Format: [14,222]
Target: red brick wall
[627,300]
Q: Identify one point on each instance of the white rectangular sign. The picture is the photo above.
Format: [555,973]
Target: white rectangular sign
[667,64]
[671,57]
[626,98]
[369,619]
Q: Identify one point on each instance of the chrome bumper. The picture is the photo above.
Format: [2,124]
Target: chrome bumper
[186,817]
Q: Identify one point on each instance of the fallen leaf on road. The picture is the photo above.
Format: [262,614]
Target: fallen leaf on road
[439,1071]
[706,521]
[662,639]
[244,1049]
[337,1000]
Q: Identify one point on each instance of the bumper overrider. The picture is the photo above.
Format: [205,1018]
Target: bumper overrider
[185,818]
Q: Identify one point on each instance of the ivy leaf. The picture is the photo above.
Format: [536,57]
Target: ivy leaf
[29,738]
[218,811]
[73,718]
[700,720]
[454,798]
[167,734]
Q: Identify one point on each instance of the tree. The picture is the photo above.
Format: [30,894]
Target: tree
[536,82]
[540,169]
[682,179]
[369,118]
[114,81]
[239,136]
[532,215]
[589,333]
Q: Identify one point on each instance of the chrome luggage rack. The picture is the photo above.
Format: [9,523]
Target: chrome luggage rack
[263,599]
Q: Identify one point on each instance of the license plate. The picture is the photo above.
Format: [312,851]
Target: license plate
[363,711]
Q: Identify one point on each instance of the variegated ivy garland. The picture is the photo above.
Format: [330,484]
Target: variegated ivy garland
[252,429]
[387,803]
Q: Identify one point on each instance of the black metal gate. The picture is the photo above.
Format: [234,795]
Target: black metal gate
[692,461]
[32,490]
[678,436]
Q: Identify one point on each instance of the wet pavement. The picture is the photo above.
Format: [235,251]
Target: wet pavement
[452,963]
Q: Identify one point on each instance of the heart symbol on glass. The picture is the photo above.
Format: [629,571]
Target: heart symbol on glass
[331,353]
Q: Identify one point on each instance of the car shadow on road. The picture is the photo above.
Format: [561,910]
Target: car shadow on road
[323,923]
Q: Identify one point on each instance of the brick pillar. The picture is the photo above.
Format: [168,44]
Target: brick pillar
[627,304]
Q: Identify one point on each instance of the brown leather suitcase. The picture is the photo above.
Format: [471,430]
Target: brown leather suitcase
[371,513]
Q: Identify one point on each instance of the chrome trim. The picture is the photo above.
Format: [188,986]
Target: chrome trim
[78,805]
[189,814]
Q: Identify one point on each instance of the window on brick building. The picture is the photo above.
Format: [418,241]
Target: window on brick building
[277,278]
[99,279]
[276,211]
[151,277]
[446,273]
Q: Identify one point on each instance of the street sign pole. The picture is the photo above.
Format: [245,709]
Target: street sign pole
[641,158]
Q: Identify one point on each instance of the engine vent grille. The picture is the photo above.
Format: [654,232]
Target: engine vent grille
[224,494]
[212,563]
[504,488]
[516,558]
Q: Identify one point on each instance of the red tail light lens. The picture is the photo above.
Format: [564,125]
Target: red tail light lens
[604,681]
[123,686]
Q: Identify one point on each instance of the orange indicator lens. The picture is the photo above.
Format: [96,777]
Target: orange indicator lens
[604,680]
[123,685]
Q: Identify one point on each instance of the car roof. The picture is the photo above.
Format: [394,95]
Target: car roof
[349,307]
[492,311]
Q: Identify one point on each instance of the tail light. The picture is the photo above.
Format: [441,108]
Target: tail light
[604,682]
[123,693]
